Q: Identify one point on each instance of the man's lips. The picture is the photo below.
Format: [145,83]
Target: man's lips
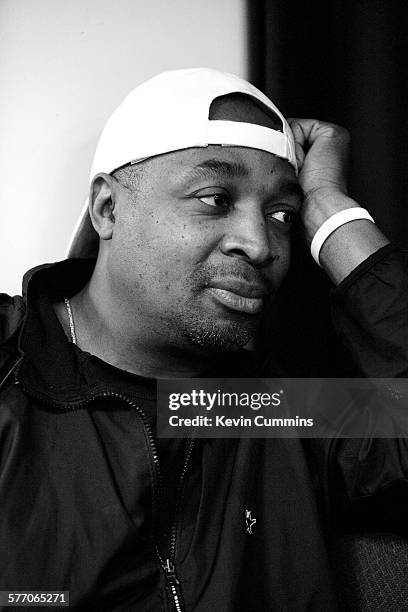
[237,302]
[239,295]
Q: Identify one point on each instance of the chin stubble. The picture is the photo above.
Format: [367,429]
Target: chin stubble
[206,329]
[224,336]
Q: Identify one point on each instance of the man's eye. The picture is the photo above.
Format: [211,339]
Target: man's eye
[283,216]
[218,200]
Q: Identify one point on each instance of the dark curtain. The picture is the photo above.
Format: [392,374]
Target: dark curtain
[342,61]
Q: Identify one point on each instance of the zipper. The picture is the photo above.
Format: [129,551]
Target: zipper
[173,586]
[11,370]
[173,533]
[172,582]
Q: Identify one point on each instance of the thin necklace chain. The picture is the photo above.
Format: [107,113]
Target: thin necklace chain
[71,321]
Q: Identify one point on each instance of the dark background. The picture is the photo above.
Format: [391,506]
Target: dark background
[342,61]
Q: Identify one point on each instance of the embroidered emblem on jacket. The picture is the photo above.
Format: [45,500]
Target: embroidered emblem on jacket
[249,521]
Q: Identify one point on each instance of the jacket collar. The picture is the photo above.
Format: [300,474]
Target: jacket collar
[49,367]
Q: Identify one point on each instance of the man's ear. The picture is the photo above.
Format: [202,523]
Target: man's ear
[101,205]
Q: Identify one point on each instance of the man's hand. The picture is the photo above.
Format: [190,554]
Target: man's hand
[322,152]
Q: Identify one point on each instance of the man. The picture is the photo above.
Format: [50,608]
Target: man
[194,189]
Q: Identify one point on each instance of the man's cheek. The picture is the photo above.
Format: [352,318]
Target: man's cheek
[283,266]
[279,266]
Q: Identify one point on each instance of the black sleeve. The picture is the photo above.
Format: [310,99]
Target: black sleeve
[370,314]
[367,479]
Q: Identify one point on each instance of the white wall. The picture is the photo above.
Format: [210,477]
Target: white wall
[64,67]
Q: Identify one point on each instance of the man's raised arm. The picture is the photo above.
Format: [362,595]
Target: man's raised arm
[322,152]
[370,301]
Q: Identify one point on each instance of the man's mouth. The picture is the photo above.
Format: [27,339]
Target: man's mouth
[240,296]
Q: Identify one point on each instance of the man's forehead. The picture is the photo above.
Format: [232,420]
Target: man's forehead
[222,161]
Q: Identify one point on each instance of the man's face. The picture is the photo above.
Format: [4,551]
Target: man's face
[202,243]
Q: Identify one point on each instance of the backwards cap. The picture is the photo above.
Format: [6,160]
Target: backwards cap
[168,113]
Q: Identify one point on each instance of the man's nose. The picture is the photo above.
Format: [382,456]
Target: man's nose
[246,236]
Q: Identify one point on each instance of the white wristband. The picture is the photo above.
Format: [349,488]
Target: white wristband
[333,223]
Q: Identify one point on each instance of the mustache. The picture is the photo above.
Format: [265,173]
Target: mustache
[236,269]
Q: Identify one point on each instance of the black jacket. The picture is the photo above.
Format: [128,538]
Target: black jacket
[79,498]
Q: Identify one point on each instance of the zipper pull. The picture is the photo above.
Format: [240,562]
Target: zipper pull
[173,586]
[169,570]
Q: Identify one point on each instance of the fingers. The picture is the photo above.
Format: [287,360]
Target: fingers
[301,136]
[300,155]
[297,130]
[309,130]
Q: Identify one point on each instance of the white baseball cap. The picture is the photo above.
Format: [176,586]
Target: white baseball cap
[170,112]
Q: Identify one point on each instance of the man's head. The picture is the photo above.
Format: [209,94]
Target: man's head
[195,239]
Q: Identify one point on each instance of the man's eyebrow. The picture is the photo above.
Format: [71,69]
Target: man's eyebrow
[291,188]
[212,167]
